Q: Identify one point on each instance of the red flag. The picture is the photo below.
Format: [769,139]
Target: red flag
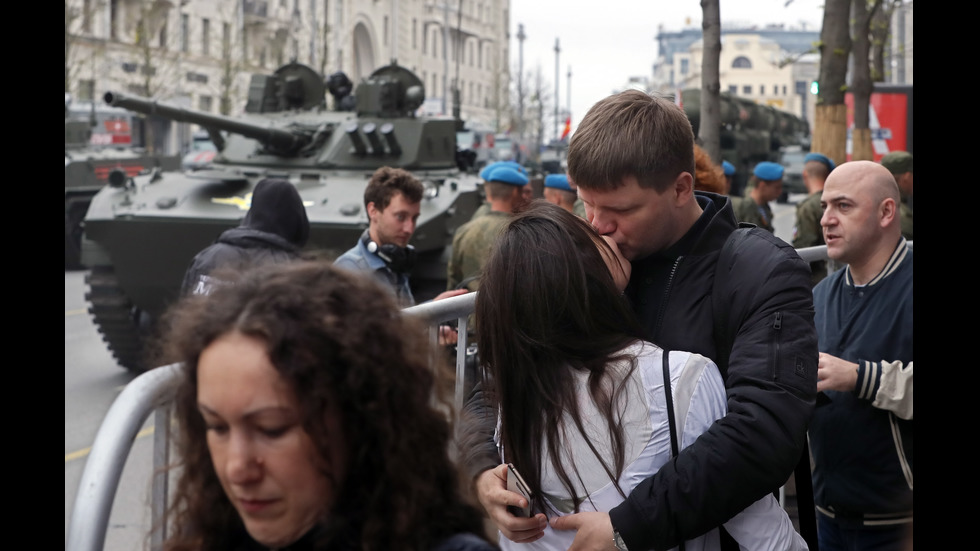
[568,128]
[678,99]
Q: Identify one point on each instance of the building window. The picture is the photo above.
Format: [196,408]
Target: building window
[747,90]
[685,66]
[225,40]
[87,16]
[762,89]
[162,39]
[415,30]
[733,89]
[204,103]
[385,31]
[741,62]
[86,90]
[206,36]
[113,19]
[184,34]
[784,89]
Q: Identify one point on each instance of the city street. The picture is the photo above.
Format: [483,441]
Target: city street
[92,382]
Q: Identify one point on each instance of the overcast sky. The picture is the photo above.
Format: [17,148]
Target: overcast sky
[605,42]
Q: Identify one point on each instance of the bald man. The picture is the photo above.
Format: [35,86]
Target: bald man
[861,430]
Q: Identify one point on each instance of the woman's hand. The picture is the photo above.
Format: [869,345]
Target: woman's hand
[491,490]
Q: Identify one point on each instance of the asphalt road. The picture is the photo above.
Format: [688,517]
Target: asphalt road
[92,382]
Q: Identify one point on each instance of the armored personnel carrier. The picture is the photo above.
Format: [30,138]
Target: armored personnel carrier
[142,232]
[750,132]
[97,141]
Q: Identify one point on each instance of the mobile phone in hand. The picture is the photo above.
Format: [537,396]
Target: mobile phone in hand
[516,484]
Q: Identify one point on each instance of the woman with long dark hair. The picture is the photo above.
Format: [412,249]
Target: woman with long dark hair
[310,417]
[583,412]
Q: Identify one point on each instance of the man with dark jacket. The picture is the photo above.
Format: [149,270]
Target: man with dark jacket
[741,298]
[274,230]
[861,430]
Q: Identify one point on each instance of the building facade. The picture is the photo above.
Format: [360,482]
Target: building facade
[200,54]
[768,65]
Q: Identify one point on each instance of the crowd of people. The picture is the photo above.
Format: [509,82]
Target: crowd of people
[656,362]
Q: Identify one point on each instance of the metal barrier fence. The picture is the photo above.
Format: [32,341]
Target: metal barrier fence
[154,390]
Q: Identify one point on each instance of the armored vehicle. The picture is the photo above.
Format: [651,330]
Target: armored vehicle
[141,233]
[97,141]
[750,132]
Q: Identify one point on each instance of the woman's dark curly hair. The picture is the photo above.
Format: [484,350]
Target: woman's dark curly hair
[333,336]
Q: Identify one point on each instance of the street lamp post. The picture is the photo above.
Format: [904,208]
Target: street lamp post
[557,77]
[520,80]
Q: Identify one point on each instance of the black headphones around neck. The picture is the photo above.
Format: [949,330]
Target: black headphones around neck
[399,259]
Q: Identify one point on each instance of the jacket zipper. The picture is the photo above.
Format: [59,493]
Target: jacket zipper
[663,304]
[777,325]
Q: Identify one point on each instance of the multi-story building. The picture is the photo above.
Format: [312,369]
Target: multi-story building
[201,53]
[768,65]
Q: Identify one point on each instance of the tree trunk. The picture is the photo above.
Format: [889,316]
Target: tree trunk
[861,79]
[880,27]
[709,131]
[830,126]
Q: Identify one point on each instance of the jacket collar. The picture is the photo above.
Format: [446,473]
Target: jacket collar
[898,256]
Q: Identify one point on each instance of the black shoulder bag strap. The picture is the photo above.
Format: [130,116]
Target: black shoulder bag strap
[674,449]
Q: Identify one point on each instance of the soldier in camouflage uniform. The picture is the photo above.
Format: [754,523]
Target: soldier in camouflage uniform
[808,232]
[472,242]
[899,163]
[766,185]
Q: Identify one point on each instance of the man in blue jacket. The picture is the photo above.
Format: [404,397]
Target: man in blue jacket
[740,297]
[861,430]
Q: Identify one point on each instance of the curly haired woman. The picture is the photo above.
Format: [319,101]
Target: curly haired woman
[306,420]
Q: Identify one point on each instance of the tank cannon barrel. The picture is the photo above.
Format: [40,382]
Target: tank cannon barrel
[273,138]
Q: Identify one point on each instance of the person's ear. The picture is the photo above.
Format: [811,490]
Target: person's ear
[683,188]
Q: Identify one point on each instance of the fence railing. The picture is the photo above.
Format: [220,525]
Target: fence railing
[153,392]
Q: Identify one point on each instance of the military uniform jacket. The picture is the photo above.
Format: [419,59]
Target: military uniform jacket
[808,232]
[471,248]
[747,210]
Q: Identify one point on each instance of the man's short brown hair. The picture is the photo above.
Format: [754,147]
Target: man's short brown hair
[386,181]
[631,134]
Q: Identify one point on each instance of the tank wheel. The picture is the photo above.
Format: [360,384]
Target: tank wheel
[74,215]
[115,317]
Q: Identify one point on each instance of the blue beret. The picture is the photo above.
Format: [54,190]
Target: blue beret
[487,169]
[507,175]
[557,181]
[820,157]
[728,167]
[768,171]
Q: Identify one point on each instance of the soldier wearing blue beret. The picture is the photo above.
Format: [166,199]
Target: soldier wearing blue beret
[485,175]
[559,191]
[472,242]
[729,170]
[766,185]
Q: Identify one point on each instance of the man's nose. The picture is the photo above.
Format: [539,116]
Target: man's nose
[602,223]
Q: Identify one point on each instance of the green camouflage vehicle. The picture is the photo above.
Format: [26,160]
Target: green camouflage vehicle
[141,233]
[750,132]
[98,141]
